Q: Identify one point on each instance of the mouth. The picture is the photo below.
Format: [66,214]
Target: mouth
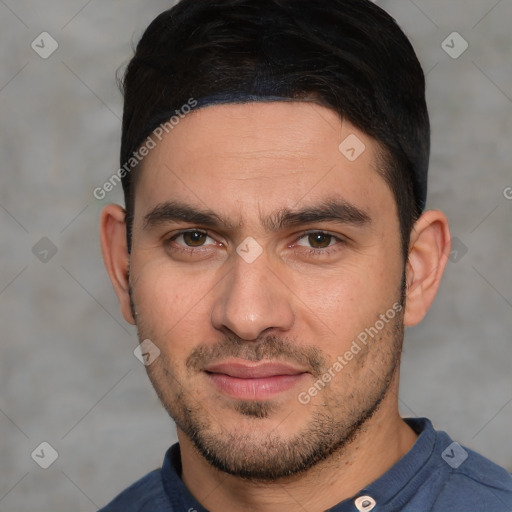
[254,381]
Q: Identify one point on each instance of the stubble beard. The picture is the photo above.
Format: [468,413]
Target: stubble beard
[256,454]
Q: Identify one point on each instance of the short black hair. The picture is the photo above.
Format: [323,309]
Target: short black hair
[347,55]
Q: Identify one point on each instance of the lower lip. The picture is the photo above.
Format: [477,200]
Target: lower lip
[254,389]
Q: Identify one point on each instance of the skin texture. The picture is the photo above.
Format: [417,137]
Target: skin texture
[303,301]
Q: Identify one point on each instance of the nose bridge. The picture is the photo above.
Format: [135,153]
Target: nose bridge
[252,300]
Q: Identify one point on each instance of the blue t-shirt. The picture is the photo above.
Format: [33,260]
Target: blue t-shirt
[435,475]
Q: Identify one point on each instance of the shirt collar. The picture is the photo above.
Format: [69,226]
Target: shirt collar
[397,485]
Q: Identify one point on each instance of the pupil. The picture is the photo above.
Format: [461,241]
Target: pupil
[319,239]
[194,238]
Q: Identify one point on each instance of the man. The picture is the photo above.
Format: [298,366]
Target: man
[273,247]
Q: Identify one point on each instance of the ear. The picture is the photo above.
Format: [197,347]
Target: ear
[429,249]
[115,254]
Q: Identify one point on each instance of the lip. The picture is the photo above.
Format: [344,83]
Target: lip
[247,370]
[258,381]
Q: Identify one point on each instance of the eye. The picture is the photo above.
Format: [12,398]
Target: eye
[192,238]
[318,240]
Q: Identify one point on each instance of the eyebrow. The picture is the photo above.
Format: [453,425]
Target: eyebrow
[330,210]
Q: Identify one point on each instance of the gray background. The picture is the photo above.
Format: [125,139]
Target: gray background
[68,375]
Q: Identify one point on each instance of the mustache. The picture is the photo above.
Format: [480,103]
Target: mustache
[267,348]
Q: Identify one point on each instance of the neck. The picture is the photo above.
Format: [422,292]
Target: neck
[381,442]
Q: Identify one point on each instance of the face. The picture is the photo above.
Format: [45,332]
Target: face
[266,266]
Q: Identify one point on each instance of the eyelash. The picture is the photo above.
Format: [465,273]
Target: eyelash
[312,251]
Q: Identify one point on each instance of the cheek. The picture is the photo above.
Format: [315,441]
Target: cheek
[170,303]
[329,306]
[332,292]
[342,302]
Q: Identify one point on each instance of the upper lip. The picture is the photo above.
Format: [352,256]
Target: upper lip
[246,370]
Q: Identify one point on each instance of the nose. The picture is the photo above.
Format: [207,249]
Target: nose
[251,300]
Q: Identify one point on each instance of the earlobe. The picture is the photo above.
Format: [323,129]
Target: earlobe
[115,254]
[429,249]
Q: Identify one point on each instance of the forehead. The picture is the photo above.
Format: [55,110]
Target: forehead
[277,153]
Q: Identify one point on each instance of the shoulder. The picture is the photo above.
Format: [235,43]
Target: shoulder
[145,495]
[476,485]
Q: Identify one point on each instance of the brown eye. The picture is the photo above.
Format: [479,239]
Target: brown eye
[319,240]
[194,238]
[320,243]
[192,243]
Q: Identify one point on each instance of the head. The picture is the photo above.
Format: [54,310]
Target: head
[276,225]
